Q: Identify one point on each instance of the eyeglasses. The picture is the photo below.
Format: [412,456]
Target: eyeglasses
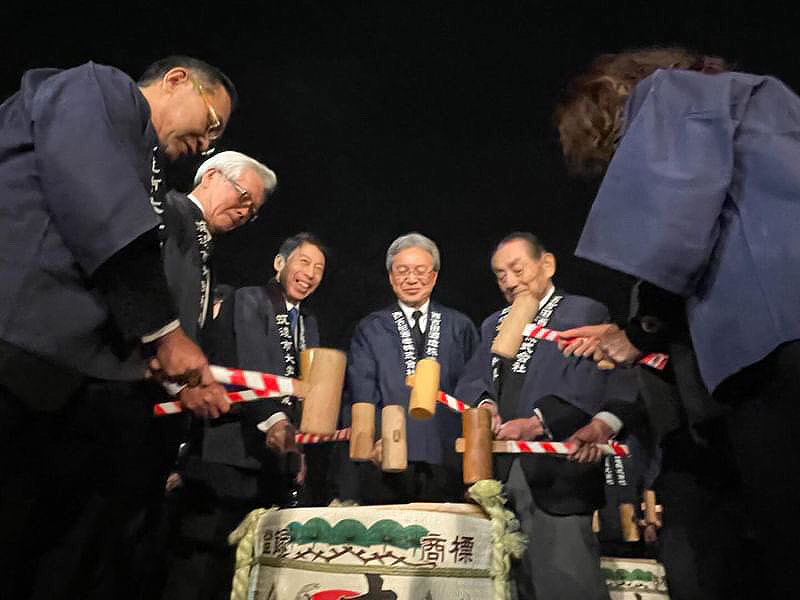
[403,272]
[245,200]
[214,125]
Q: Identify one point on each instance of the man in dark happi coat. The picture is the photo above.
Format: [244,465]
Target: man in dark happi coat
[84,299]
[239,462]
[700,200]
[385,348]
[540,394]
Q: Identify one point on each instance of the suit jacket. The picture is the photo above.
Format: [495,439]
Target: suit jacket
[376,373]
[246,327]
[182,261]
[568,392]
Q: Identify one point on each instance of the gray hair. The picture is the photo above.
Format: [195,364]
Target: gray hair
[412,240]
[232,164]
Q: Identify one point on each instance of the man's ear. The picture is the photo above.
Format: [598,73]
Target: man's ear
[549,264]
[205,180]
[175,77]
[278,264]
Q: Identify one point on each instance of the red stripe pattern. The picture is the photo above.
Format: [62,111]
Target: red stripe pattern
[520,447]
[309,438]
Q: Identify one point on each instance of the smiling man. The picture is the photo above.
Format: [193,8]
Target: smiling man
[84,300]
[243,461]
[385,348]
[540,394]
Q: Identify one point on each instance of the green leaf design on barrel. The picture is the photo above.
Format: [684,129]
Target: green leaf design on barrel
[385,532]
[349,531]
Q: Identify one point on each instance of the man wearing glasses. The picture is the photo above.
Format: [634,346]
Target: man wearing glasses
[84,303]
[385,348]
[229,189]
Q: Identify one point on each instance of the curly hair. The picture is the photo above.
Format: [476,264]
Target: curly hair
[589,116]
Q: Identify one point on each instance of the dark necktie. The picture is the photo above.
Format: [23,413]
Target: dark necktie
[293,323]
[416,332]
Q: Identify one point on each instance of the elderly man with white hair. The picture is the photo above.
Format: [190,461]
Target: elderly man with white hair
[229,189]
[385,348]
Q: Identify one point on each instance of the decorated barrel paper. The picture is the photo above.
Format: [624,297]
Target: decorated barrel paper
[635,579]
[414,551]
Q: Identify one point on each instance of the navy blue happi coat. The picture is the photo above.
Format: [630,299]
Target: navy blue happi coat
[376,373]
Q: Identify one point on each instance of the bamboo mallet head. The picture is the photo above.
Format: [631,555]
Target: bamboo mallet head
[477,430]
[393,439]
[362,431]
[509,338]
[323,389]
[424,390]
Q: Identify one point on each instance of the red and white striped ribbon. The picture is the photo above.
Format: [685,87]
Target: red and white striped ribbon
[311,438]
[519,447]
[655,360]
[451,403]
[170,408]
[262,384]
[282,386]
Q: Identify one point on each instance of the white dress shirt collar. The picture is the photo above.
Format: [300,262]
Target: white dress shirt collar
[196,202]
[546,298]
[408,311]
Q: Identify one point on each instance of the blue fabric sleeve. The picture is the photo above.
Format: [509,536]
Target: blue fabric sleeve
[89,132]
[656,212]
[362,370]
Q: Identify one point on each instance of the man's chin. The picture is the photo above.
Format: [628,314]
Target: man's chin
[415,301]
[298,296]
[173,153]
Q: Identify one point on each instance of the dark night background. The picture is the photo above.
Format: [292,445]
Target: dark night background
[385,117]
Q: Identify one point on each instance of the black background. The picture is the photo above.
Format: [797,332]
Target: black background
[385,117]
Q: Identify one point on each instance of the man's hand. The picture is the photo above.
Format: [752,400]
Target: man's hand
[300,478]
[582,341]
[280,437]
[206,401]
[606,343]
[174,481]
[177,355]
[521,429]
[376,456]
[584,441]
[496,419]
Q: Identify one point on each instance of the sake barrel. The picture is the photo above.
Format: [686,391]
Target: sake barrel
[416,551]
